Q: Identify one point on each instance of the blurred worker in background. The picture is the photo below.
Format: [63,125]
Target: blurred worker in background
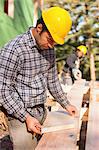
[27,70]
[71,69]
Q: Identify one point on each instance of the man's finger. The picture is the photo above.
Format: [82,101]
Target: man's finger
[36,129]
[38,125]
[75,113]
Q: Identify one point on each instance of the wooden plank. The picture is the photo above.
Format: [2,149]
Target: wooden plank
[58,120]
[66,88]
[57,128]
[92,139]
[65,139]
[58,141]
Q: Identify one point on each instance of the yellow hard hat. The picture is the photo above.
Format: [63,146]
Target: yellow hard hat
[58,22]
[82,48]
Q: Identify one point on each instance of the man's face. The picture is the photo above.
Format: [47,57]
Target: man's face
[80,54]
[45,40]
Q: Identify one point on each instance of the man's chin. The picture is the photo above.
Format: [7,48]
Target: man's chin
[44,48]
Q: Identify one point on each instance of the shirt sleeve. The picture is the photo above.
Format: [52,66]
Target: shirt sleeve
[71,61]
[55,88]
[9,66]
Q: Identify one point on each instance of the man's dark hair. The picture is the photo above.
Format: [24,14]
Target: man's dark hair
[40,21]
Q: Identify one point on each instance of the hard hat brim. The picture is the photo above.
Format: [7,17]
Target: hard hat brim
[82,48]
[57,39]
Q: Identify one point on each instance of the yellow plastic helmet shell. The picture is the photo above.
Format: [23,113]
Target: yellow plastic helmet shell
[58,23]
[82,48]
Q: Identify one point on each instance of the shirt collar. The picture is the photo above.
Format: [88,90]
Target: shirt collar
[31,39]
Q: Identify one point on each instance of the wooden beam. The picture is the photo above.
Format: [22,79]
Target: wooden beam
[92,138]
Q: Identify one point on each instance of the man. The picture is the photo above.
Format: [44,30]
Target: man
[71,70]
[27,70]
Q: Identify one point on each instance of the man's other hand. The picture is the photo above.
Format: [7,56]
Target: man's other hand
[72,110]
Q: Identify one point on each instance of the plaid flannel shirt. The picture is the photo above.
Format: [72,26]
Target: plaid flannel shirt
[25,74]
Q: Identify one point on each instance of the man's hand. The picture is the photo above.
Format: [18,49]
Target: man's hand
[77,73]
[33,124]
[72,110]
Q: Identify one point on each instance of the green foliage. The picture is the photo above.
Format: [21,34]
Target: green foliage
[23,18]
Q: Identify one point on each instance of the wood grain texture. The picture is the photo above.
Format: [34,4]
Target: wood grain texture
[58,120]
[92,139]
[59,140]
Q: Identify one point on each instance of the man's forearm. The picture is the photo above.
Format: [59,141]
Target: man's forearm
[12,104]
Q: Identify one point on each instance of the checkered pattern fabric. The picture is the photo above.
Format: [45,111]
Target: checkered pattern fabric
[26,72]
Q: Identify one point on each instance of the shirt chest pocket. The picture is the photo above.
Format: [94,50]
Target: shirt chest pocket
[32,91]
[38,82]
[38,85]
[37,92]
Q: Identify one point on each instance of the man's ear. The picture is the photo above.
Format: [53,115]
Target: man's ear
[39,28]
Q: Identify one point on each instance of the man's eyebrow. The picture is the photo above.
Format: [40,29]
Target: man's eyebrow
[50,37]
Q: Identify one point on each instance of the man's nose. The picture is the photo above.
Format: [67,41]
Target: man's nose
[50,45]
